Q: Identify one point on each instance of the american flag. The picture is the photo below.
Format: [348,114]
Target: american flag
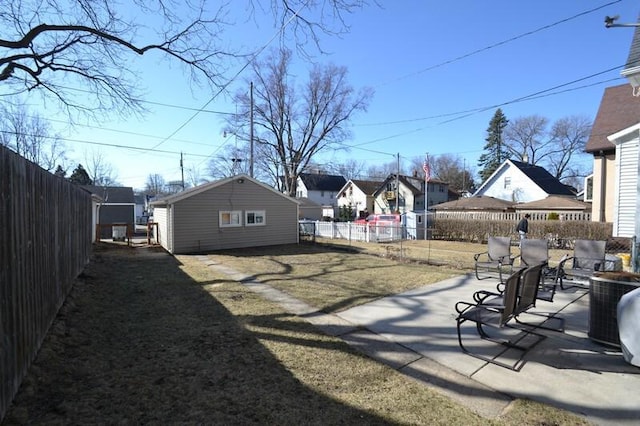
[427,171]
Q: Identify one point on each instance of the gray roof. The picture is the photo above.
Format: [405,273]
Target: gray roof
[556,202]
[545,180]
[369,187]
[618,110]
[112,194]
[633,60]
[318,182]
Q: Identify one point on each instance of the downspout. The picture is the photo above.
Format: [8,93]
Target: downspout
[603,192]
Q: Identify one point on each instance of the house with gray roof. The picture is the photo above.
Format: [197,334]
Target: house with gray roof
[359,195]
[522,182]
[405,194]
[230,213]
[321,189]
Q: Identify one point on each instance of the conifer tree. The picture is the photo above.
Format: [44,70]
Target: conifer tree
[496,152]
[80,176]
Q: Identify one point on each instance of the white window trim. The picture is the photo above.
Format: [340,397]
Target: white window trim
[256,213]
[232,214]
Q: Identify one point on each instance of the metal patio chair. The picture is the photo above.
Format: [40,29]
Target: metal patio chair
[588,257]
[497,258]
[499,311]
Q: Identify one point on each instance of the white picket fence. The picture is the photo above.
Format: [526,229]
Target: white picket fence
[353,231]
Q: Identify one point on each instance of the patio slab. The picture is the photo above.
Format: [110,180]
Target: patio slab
[566,370]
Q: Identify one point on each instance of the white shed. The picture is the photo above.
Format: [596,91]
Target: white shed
[230,213]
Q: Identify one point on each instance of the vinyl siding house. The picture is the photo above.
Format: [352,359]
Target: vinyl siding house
[359,194]
[522,182]
[321,189]
[613,142]
[618,113]
[410,193]
[236,212]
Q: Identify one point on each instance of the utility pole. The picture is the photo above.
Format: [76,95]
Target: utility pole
[182,170]
[251,130]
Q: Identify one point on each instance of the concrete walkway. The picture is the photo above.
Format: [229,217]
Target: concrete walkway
[415,333]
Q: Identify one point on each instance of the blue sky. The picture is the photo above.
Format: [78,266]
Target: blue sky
[439,71]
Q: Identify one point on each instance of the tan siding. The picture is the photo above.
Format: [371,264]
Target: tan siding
[195,219]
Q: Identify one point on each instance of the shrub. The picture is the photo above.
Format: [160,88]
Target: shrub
[553,216]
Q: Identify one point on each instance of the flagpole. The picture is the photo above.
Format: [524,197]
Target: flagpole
[425,167]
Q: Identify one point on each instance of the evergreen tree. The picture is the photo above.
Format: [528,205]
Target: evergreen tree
[80,176]
[60,171]
[496,151]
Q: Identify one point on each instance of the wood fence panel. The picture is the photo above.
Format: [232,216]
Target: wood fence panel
[45,242]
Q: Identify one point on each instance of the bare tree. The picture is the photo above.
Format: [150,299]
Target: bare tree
[526,138]
[294,124]
[568,136]
[58,46]
[451,169]
[232,161]
[382,170]
[349,168]
[194,176]
[155,185]
[100,170]
[30,136]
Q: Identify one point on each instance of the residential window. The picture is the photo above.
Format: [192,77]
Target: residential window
[441,188]
[230,218]
[255,218]
[507,183]
[322,194]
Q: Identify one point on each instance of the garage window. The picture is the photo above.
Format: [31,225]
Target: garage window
[255,218]
[230,218]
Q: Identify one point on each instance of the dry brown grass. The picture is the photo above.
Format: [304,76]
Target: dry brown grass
[147,338]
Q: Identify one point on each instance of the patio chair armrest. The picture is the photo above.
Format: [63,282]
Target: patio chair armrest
[481,295]
[564,260]
[462,306]
[477,256]
[512,259]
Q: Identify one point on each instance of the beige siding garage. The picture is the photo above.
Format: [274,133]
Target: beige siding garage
[232,213]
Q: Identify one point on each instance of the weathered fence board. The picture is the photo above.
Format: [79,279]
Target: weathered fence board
[45,242]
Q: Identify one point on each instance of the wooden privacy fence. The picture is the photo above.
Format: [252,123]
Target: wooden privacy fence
[45,242]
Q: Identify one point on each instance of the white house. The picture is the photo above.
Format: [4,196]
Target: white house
[410,193]
[230,213]
[522,182]
[359,194]
[321,189]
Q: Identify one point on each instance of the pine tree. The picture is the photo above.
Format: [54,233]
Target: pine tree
[60,171]
[495,150]
[80,176]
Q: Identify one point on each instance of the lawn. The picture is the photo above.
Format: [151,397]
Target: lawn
[148,338]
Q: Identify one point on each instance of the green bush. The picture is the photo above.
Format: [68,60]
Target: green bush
[553,216]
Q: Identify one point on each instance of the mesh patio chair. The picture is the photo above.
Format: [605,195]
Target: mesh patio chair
[588,257]
[497,258]
[499,311]
[535,252]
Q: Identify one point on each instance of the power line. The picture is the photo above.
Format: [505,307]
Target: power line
[500,43]
[236,75]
